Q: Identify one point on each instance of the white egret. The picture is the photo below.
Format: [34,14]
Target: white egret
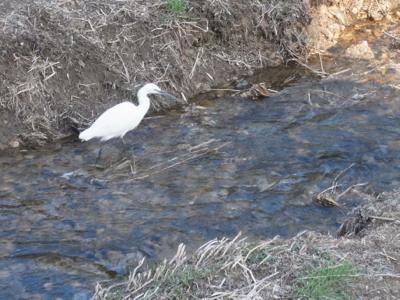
[122,118]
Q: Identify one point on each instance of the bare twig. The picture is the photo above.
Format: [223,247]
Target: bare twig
[392,36]
[198,57]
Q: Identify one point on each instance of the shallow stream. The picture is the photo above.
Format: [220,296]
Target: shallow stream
[210,170]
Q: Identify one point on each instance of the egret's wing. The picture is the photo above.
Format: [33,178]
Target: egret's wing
[115,121]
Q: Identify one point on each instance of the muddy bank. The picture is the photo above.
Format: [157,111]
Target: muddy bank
[362,265]
[62,63]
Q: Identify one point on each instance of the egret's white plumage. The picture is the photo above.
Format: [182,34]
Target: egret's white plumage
[121,118]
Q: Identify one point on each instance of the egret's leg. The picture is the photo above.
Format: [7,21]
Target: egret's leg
[99,153]
[134,162]
[125,145]
[127,149]
[103,144]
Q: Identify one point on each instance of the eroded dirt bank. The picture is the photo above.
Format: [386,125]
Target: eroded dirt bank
[64,62]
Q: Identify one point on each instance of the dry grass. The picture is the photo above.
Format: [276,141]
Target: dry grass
[331,196]
[286,22]
[307,265]
[127,169]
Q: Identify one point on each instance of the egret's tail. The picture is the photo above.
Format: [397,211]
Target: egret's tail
[86,135]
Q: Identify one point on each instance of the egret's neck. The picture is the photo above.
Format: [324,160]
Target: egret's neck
[144,102]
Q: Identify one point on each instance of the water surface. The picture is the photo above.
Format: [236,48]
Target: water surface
[210,170]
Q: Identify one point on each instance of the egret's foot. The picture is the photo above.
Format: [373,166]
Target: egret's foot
[98,155]
[126,150]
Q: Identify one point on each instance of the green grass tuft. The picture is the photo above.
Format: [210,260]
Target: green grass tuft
[326,282]
[182,284]
[176,6]
[257,256]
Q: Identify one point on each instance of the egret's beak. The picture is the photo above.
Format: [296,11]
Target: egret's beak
[165,94]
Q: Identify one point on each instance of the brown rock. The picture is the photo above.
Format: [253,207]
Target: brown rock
[14,144]
[360,51]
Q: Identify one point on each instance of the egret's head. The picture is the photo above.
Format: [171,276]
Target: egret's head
[151,88]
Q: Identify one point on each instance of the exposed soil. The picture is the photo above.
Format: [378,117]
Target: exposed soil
[332,17]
